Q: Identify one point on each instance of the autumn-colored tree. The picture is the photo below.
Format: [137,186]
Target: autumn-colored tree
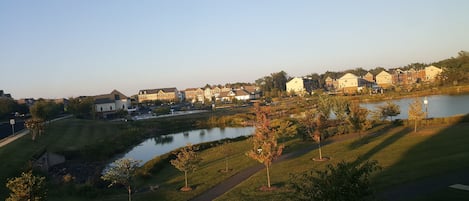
[284,128]
[415,112]
[357,118]
[265,147]
[122,172]
[27,187]
[187,160]
[35,126]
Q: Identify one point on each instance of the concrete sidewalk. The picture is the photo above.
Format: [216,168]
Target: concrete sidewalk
[12,138]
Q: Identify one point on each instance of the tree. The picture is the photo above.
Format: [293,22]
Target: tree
[35,126]
[81,107]
[390,109]
[340,108]
[284,128]
[314,123]
[357,118]
[187,160]
[264,141]
[227,151]
[122,172]
[27,187]
[45,110]
[7,107]
[347,181]
[415,112]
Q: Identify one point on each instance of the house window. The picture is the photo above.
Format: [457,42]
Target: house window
[101,109]
[110,107]
[116,97]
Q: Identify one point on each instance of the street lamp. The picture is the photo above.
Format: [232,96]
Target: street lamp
[425,102]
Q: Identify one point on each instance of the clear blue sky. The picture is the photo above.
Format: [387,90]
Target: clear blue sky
[58,48]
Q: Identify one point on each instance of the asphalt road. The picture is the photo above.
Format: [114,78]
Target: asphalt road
[5,128]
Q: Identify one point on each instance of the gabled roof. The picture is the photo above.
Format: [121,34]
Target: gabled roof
[349,76]
[383,73]
[111,96]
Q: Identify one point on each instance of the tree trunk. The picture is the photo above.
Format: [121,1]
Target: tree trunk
[320,153]
[130,192]
[268,176]
[185,176]
[415,126]
[226,164]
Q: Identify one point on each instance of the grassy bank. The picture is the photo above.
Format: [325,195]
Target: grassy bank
[404,156]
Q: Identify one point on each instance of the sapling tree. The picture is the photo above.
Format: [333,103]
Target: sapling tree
[265,147]
[415,112]
[357,118]
[187,160]
[122,172]
[227,151]
[35,126]
[314,122]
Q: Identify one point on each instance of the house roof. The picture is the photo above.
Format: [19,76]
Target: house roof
[349,76]
[111,96]
[154,91]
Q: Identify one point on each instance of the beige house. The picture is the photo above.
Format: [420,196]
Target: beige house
[348,83]
[369,77]
[299,86]
[195,94]
[432,72]
[384,79]
[163,94]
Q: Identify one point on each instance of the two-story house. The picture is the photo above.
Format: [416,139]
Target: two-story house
[163,94]
[300,86]
[348,83]
[108,104]
[384,79]
[432,72]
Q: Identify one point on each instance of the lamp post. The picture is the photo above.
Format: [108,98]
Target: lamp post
[425,102]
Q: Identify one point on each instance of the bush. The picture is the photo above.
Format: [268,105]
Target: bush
[345,181]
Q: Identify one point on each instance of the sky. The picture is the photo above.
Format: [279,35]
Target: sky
[60,49]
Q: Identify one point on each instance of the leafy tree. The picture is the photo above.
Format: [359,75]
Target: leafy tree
[415,112]
[122,172]
[357,118]
[324,106]
[284,128]
[265,147]
[390,109]
[187,160]
[35,126]
[340,108]
[45,110]
[27,187]
[7,106]
[314,123]
[347,181]
[81,107]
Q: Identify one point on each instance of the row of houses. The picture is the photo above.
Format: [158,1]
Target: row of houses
[350,83]
[207,94]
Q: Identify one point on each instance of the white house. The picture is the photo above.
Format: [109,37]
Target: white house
[110,103]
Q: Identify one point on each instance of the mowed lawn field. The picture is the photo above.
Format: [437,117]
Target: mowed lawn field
[405,157]
[70,136]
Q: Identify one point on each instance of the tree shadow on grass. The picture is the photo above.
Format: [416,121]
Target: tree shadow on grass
[370,137]
[442,159]
[387,142]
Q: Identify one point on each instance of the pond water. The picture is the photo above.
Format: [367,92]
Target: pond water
[160,145]
[438,105]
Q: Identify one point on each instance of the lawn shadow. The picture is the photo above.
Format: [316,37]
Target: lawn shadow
[387,142]
[442,159]
[370,137]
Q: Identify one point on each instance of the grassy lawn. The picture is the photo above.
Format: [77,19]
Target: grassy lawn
[404,156]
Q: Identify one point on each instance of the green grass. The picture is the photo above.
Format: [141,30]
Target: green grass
[444,195]
[404,156]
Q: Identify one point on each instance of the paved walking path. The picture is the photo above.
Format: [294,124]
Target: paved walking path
[236,179]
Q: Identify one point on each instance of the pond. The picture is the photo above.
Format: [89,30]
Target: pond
[160,145]
[438,105]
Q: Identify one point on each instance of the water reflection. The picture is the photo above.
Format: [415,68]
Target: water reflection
[438,105]
[166,143]
[164,139]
